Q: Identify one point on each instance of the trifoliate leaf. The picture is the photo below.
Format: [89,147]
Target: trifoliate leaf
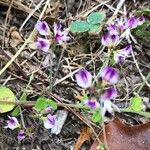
[136,103]
[79,26]
[95,29]
[96,18]
[6,95]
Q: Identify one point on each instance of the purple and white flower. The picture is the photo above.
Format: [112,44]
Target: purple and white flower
[92,103]
[132,23]
[21,135]
[60,36]
[12,123]
[126,50]
[110,40]
[84,78]
[50,121]
[112,29]
[105,40]
[121,24]
[42,27]
[106,107]
[141,20]
[42,44]
[109,74]
[105,100]
[118,57]
[109,94]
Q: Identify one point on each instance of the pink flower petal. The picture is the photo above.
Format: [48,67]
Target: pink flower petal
[92,103]
[126,50]
[119,57]
[42,27]
[42,44]
[132,22]
[12,123]
[109,74]
[84,78]
[109,94]
[50,121]
[21,135]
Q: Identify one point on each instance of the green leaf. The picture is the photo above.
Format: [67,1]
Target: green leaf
[6,95]
[41,103]
[23,97]
[16,112]
[97,117]
[136,103]
[52,104]
[79,26]
[96,17]
[95,29]
[143,34]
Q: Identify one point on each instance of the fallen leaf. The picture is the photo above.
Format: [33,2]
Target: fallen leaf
[16,39]
[84,136]
[123,137]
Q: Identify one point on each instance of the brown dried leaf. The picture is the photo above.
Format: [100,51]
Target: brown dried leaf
[16,39]
[122,137]
[84,136]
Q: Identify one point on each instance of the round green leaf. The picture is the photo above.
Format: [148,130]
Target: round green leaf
[79,26]
[6,95]
[95,29]
[96,17]
[97,116]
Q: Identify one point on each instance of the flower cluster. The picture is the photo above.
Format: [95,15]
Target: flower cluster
[12,123]
[108,74]
[116,32]
[60,36]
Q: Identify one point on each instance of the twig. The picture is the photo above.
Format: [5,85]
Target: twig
[142,113]
[31,14]
[137,66]
[146,79]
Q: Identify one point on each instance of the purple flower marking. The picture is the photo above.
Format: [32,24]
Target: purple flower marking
[105,40]
[42,27]
[21,135]
[141,20]
[109,94]
[119,57]
[110,40]
[109,74]
[92,103]
[12,123]
[132,22]
[84,78]
[126,50]
[50,121]
[112,29]
[42,44]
